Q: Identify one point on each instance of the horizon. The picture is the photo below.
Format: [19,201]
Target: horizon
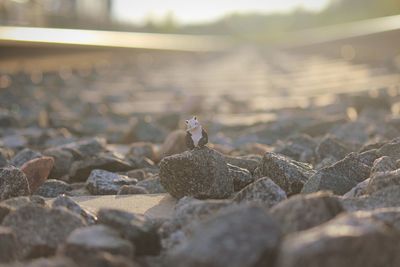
[127,11]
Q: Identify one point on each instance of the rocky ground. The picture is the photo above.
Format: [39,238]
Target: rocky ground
[289,182]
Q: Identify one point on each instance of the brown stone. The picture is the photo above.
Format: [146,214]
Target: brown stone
[37,171]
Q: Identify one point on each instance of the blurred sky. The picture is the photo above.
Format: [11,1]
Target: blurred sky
[199,11]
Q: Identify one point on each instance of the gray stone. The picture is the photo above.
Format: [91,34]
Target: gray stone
[381,180]
[189,212]
[62,162]
[354,132]
[23,156]
[340,177]
[347,241]
[241,177]
[239,237]
[71,205]
[142,149]
[13,183]
[383,164]
[384,198]
[391,149]
[131,190]
[102,182]
[83,242]
[201,173]
[152,185]
[145,130]
[331,147]
[302,212]
[51,262]
[359,190]
[249,162]
[141,232]
[40,230]
[368,157]
[9,247]
[263,191]
[81,169]
[53,188]
[298,147]
[174,143]
[19,202]
[288,174]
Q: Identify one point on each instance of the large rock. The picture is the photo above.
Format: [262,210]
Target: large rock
[347,241]
[240,237]
[340,177]
[263,191]
[13,183]
[140,231]
[40,230]
[53,188]
[289,174]
[9,247]
[201,173]
[23,156]
[241,177]
[358,190]
[37,170]
[102,182]
[83,242]
[144,130]
[303,212]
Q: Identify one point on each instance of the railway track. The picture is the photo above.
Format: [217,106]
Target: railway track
[142,77]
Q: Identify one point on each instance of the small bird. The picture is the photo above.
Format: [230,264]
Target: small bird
[196,136]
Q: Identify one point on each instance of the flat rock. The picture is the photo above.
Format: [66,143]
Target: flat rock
[53,188]
[139,230]
[13,183]
[131,190]
[347,241]
[102,182]
[98,238]
[231,238]
[201,173]
[288,174]
[157,206]
[9,247]
[340,177]
[263,191]
[40,230]
[302,212]
[37,170]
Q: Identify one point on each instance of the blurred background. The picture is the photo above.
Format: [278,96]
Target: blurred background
[102,67]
